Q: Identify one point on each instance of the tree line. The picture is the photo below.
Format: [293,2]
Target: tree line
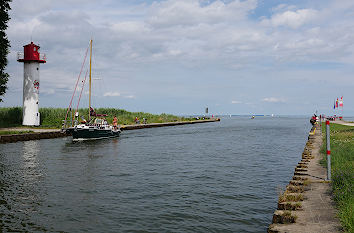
[4,45]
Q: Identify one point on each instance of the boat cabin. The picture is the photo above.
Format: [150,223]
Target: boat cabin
[99,121]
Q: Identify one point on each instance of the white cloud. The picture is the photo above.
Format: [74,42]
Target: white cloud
[292,19]
[130,96]
[171,48]
[129,27]
[283,7]
[111,94]
[235,102]
[191,12]
[273,100]
[47,91]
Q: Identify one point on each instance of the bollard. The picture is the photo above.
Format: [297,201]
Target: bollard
[328,151]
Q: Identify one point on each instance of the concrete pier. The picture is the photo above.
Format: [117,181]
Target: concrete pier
[306,205]
[31,136]
[154,125]
[56,133]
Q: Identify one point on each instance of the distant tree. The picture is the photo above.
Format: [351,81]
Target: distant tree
[4,45]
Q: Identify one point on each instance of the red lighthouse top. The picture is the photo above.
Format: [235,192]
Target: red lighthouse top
[31,53]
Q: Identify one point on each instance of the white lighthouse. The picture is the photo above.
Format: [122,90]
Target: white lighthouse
[31,59]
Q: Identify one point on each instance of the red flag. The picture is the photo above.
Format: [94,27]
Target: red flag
[337,103]
[341,102]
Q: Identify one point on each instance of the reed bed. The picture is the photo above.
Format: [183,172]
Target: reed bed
[10,116]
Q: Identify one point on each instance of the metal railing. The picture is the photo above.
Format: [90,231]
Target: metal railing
[21,56]
[42,56]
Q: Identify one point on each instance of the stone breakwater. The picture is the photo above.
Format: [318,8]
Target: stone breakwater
[154,125]
[57,133]
[31,136]
[306,204]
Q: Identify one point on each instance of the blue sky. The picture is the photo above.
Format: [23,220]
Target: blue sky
[179,56]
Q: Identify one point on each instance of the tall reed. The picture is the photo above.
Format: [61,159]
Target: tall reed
[10,116]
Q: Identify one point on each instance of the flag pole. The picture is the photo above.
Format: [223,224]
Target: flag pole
[342,107]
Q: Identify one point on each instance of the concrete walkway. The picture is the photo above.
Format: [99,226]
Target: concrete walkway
[317,212]
[36,130]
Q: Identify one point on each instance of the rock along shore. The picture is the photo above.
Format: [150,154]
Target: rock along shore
[306,205]
[154,125]
[56,133]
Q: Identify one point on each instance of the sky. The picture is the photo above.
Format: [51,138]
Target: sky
[180,56]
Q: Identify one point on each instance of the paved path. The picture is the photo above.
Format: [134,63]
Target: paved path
[36,130]
[318,213]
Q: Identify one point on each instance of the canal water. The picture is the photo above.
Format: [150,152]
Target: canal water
[213,177]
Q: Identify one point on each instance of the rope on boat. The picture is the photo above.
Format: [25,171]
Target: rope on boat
[78,78]
[82,88]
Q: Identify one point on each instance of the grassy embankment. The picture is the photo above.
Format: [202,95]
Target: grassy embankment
[342,163]
[52,117]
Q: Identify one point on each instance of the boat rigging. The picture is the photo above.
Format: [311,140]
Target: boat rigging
[96,127]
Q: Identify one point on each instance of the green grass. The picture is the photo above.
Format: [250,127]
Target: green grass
[8,132]
[286,196]
[342,170]
[288,217]
[52,117]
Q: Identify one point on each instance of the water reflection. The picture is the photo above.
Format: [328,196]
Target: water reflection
[30,151]
[22,189]
[71,145]
[115,143]
[31,174]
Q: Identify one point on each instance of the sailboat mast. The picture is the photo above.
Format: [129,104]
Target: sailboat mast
[90,80]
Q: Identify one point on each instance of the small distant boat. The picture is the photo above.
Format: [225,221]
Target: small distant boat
[96,127]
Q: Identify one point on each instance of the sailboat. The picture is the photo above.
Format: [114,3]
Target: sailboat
[96,127]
